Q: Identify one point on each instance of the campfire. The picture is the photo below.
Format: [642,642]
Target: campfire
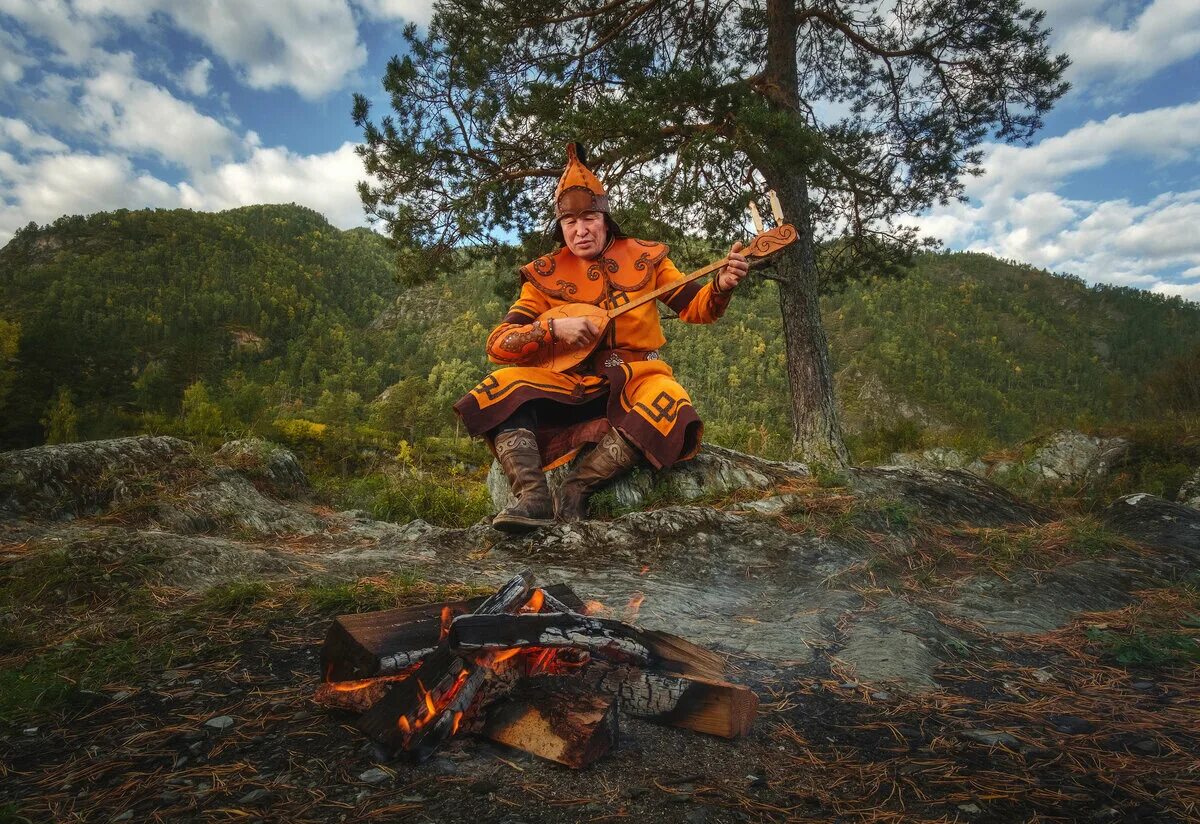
[526,667]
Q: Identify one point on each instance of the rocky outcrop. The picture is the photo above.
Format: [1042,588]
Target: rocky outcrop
[1158,522]
[157,481]
[267,464]
[714,472]
[799,577]
[224,501]
[1073,458]
[1189,493]
[950,496]
[936,458]
[66,480]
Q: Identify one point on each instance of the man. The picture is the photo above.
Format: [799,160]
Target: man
[623,398]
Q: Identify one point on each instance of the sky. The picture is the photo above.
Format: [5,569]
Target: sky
[213,104]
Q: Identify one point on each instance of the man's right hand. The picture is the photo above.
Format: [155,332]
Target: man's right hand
[578,332]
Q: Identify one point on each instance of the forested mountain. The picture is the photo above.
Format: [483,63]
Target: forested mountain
[267,319]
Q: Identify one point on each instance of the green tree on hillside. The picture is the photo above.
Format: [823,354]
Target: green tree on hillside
[61,420]
[200,415]
[10,336]
[854,112]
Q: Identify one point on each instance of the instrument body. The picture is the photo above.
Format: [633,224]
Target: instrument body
[563,357]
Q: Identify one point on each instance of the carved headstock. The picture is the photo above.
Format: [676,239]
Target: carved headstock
[771,241]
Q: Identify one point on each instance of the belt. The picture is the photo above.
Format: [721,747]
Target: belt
[607,358]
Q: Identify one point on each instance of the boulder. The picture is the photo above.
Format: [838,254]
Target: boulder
[947,495]
[1158,522]
[715,471]
[1189,493]
[1069,457]
[936,458]
[65,480]
[226,502]
[266,464]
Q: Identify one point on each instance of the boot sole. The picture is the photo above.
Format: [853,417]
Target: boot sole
[516,523]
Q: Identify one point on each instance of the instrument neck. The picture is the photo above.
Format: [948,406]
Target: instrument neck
[670,287]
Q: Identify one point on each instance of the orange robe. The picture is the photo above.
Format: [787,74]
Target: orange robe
[625,384]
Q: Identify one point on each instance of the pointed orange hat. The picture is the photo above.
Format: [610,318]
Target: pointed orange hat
[578,189]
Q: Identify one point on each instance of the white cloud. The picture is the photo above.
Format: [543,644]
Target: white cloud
[1015,211]
[141,117]
[1163,135]
[13,58]
[17,133]
[1108,44]
[74,35]
[50,185]
[325,182]
[309,45]
[195,79]
[1188,291]
[410,11]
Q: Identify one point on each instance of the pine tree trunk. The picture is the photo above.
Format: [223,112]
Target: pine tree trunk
[816,430]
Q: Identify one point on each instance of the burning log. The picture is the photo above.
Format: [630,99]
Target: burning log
[558,720]
[416,718]
[618,642]
[524,669]
[369,644]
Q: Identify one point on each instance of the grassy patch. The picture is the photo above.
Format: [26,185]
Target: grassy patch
[11,814]
[84,572]
[1160,630]
[236,596]
[63,676]
[329,596]
[449,503]
[1043,546]
[1162,648]
[89,616]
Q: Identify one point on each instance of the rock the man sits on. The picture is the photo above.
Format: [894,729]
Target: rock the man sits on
[622,402]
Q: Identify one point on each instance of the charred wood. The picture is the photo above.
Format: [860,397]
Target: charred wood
[614,640]
[367,644]
[413,715]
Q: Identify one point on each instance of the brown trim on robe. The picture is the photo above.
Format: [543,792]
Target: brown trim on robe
[517,316]
[661,451]
[682,297]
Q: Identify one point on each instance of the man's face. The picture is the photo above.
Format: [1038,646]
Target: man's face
[585,233]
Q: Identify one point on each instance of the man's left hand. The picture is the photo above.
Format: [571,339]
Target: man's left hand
[736,269]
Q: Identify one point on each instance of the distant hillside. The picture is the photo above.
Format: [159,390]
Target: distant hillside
[128,308]
[277,315]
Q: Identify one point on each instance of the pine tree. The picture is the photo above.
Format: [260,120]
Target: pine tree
[61,420]
[854,112]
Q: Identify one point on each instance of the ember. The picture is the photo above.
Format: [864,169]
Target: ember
[527,667]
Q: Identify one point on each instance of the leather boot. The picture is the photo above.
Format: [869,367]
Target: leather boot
[517,451]
[612,456]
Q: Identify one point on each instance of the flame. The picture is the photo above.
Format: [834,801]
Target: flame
[404,726]
[535,601]
[635,605]
[428,699]
[457,720]
[593,607]
[352,686]
[541,661]
[447,617]
[504,655]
